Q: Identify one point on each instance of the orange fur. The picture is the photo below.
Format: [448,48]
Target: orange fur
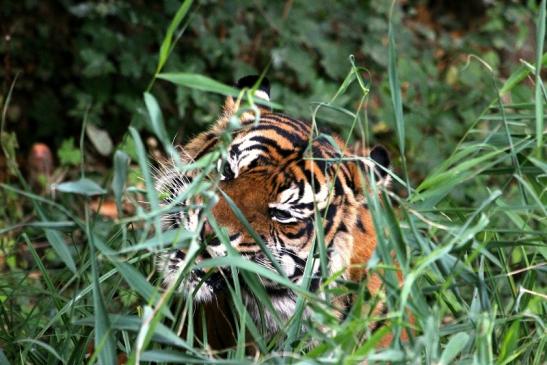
[352,233]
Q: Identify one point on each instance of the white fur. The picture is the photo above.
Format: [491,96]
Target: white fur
[262,95]
[284,306]
[288,264]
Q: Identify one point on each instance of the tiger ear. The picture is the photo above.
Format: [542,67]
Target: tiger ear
[250,81]
[375,159]
[246,82]
[380,156]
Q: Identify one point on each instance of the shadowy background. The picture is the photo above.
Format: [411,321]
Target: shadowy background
[97,58]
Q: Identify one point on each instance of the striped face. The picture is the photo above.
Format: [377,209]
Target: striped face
[280,179]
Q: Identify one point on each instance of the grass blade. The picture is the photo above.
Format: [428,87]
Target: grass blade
[396,100]
[3,358]
[540,39]
[167,44]
[43,345]
[60,246]
[199,82]
[155,117]
[84,186]
[121,164]
[454,346]
[104,341]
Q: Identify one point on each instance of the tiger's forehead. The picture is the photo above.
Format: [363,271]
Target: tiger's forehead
[280,137]
[276,139]
[278,149]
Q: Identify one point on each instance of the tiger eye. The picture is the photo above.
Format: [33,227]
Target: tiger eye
[280,214]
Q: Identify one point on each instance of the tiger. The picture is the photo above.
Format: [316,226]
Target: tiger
[280,177]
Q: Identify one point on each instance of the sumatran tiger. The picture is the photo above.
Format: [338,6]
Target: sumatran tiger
[278,175]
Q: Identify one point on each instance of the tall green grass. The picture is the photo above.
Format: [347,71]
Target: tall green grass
[474,272]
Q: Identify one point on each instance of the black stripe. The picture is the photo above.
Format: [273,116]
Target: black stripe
[302,205]
[310,177]
[257,147]
[360,225]
[306,230]
[338,188]
[271,143]
[298,272]
[278,291]
[292,137]
[296,259]
[347,177]
[259,161]
[331,214]
[248,244]
[280,118]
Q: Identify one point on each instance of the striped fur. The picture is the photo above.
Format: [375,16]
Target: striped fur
[277,175]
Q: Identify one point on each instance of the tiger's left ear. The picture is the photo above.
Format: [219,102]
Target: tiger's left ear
[377,161]
[380,156]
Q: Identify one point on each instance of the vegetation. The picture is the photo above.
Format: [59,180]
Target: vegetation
[465,221]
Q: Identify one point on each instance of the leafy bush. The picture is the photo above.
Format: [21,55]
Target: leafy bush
[94,60]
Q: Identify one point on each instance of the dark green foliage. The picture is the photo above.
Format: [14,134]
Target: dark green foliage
[97,58]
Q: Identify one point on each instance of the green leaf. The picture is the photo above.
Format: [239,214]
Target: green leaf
[396,99]
[61,248]
[174,238]
[204,83]
[176,357]
[121,164]
[373,341]
[84,186]
[132,323]
[104,341]
[252,267]
[68,153]
[172,357]
[166,45]
[100,139]
[133,277]
[387,355]
[155,118]
[510,341]
[520,74]
[43,345]
[139,283]
[199,82]
[3,358]
[454,346]
[45,224]
[457,173]
[148,180]
[540,39]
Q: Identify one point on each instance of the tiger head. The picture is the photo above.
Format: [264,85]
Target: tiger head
[280,175]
